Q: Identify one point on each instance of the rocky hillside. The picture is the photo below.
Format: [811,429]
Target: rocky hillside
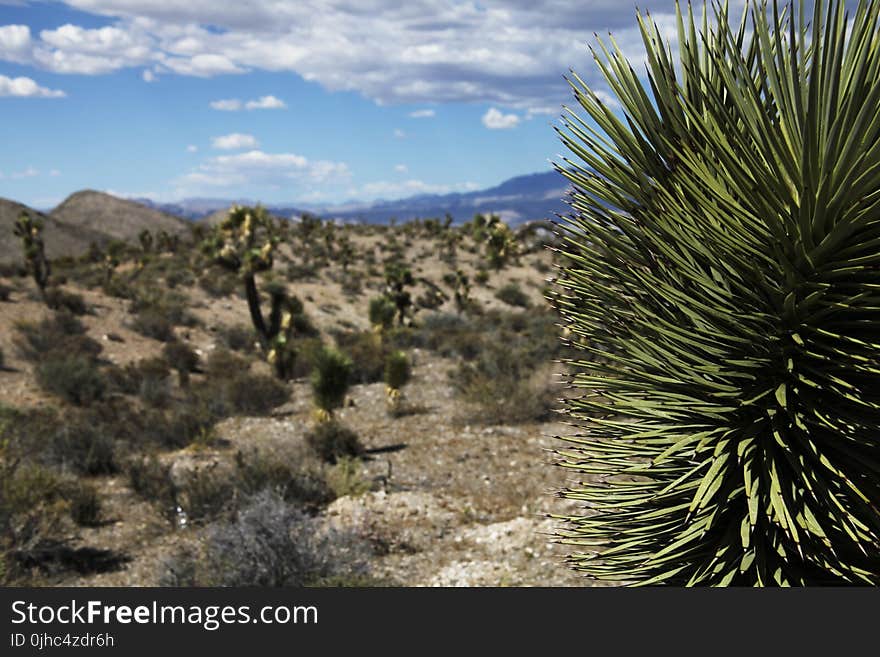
[114,217]
[60,238]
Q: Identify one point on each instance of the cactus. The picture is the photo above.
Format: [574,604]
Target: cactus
[330,381]
[30,232]
[245,243]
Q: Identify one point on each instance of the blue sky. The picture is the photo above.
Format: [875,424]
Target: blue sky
[307,101]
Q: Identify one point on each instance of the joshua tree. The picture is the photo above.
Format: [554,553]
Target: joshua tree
[30,232]
[721,276]
[461,289]
[397,278]
[397,373]
[330,381]
[382,313]
[244,243]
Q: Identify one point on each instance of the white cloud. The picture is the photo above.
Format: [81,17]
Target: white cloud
[54,173]
[422,114]
[15,43]
[257,168]
[235,141]
[235,104]
[495,120]
[401,189]
[192,148]
[148,76]
[401,168]
[230,105]
[26,88]
[29,172]
[507,53]
[399,134]
[265,102]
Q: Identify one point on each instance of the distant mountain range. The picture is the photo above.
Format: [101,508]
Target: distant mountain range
[90,216]
[524,198]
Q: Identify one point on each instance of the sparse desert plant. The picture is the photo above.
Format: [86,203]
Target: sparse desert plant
[332,440]
[273,543]
[30,232]
[58,299]
[296,479]
[75,378]
[244,243]
[721,274]
[85,504]
[5,291]
[513,295]
[183,359]
[366,351]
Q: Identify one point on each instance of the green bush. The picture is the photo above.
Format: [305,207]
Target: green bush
[61,334]
[75,379]
[512,295]
[721,266]
[367,355]
[293,479]
[152,324]
[331,441]
[58,299]
[85,504]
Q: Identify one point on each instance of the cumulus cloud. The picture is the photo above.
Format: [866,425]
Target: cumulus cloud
[192,148]
[235,104]
[265,102]
[422,114]
[229,105]
[29,172]
[401,168]
[258,168]
[508,53]
[26,88]
[399,134]
[496,120]
[148,76]
[235,141]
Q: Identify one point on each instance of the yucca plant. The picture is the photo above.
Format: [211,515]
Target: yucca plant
[721,280]
[30,232]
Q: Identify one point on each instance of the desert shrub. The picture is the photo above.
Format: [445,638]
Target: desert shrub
[272,543]
[331,441]
[223,363]
[481,277]
[59,299]
[238,338]
[294,480]
[307,350]
[85,504]
[218,282]
[60,334]
[33,512]
[182,358]
[152,324]
[83,445]
[513,295]
[75,379]
[504,388]
[367,355]
[254,394]
[346,478]
[151,480]
[5,291]
[204,495]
